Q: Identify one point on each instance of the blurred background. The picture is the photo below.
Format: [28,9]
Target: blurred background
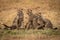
[50,9]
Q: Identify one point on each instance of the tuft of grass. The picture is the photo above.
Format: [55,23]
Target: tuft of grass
[28,32]
[23,33]
[50,32]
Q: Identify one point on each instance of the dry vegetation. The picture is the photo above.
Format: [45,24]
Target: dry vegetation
[49,8]
[29,34]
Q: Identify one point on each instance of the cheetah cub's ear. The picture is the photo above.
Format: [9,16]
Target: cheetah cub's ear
[29,11]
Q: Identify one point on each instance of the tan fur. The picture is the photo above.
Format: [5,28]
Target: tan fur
[18,21]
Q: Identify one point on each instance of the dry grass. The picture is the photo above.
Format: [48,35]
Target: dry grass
[49,8]
[29,34]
